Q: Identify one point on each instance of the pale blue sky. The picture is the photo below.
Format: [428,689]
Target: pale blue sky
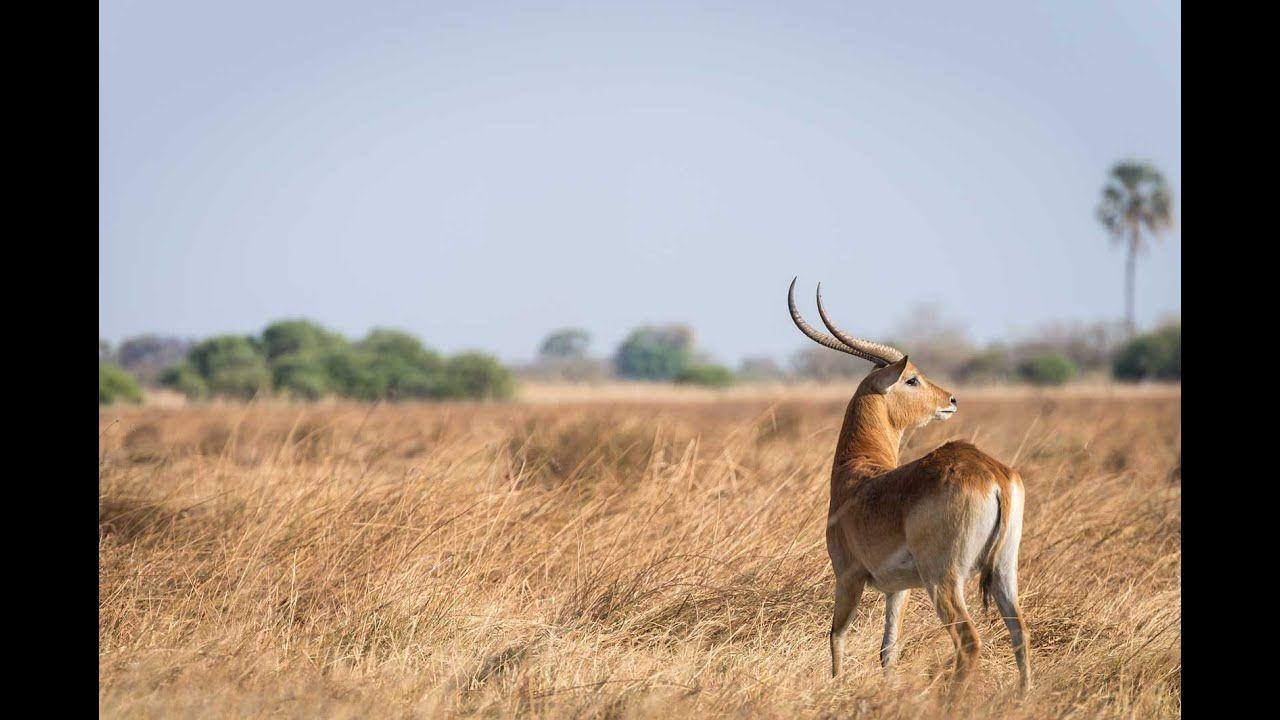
[480,174]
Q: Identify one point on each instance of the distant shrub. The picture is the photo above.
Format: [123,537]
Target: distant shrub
[475,376]
[186,380]
[563,356]
[1047,369]
[400,367]
[655,353]
[707,375]
[563,344]
[1087,345]
[116,385]
[301,376]
[402,345]
[350,373]
[231,365]
[990,365]
[241,382]
[1153,356]
[298,337]
[300,359]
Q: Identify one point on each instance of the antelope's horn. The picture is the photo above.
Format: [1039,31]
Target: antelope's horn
[878,353]
[822,338]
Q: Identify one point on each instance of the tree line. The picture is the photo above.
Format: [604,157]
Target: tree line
[1053,355]
[302,360]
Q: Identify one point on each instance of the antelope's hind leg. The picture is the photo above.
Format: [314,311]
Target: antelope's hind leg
[890,648]
[948,600]
[1004,588]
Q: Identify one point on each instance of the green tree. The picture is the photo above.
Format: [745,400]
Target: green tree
[350,373]
[396,343]
[1051,368]
[655,353]
[707,375]
[295,337]
[300,375]
[400,366]
[1152,356]
[231,365]
[185,379]
[1135,199]
[476,376]
[115,384]
[570,343]
[992,364]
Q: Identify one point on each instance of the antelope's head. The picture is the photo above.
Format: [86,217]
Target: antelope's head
[911,398]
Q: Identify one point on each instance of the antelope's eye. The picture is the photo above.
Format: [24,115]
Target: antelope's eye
[913,381]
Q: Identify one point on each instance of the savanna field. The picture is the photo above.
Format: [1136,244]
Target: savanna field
[644,554]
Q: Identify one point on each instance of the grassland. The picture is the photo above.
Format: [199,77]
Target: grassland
[628,557]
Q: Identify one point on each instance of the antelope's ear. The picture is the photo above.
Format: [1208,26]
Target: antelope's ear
[886,377]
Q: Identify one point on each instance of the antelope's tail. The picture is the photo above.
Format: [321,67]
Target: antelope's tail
[1003,494]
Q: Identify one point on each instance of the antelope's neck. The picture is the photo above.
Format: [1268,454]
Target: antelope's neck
[868,443]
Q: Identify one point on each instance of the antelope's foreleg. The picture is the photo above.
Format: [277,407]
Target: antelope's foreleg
[848,593]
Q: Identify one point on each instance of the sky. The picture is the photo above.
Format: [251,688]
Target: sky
[480,173]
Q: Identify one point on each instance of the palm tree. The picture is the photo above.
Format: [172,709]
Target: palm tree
[1135,198]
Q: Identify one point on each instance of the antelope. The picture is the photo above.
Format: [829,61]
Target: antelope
[932,523]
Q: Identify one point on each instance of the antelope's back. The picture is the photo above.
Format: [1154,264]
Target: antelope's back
[960,464]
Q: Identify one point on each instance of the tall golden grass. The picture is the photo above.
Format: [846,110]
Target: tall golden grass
[603,559]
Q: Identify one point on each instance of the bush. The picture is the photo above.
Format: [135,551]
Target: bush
[231,365]
[1047,369]
[301,376]
[298,337]
[990,365]
[476,376]
[350,373]
[709,375]
[186,380]
[302,360]
[402,345]
[570,343]
[1153,356]
[115,385]
[399,366]
[651,353]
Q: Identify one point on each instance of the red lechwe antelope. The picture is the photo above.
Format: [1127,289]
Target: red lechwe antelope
[931,523]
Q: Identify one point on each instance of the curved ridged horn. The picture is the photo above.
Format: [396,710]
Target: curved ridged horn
[883,354]
[822,338]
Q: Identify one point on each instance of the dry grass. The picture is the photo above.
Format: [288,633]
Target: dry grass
[602,560]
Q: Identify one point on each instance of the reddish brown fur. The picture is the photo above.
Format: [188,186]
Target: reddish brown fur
[942,493]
